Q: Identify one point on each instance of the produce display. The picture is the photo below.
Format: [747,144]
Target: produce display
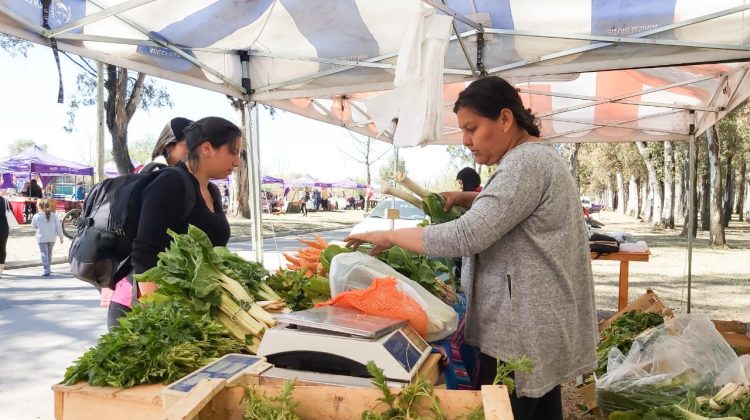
[682,369]
[622,332]
[192,272]
[154,343]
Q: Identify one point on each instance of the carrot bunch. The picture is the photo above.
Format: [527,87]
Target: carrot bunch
[308,258]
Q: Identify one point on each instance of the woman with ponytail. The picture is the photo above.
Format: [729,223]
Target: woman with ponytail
[527,269]
[47,226]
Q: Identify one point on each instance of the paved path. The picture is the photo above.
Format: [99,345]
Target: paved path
[46,323]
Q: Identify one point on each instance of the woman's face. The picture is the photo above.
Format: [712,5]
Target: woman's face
[222,161]
[178,152]
[487,139]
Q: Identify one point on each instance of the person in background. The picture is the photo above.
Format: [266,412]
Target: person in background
[4,232]
[47,226]
[171,147]
[527,251]
[303,202]
[468,180]
[80,194]
[213,145]
[316,200]
[33,191]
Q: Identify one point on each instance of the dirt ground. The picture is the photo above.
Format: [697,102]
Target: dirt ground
[720,281]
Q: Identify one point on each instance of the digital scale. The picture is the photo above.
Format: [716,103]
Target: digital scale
[340,341]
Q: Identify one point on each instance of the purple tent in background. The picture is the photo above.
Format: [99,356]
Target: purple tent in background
[349,183]
[308,181]
[35,160]
[271,180]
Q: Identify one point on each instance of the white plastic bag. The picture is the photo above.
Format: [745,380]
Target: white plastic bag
[355,270]
[684,354]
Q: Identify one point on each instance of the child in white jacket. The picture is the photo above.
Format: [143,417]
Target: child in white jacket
[47,226]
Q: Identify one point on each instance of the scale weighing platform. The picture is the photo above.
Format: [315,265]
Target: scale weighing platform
[341,341]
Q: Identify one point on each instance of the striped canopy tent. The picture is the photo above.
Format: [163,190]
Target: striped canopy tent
[593,70]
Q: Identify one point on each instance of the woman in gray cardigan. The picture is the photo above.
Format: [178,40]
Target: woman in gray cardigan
[527,272]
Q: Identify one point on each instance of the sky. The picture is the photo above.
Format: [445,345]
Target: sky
[289,144]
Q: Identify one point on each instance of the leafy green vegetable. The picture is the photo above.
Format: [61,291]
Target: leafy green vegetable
[433,205]
[504,369]
[404,404]
[191,271]
[298,292]
[249,274]
[423,270]
[280,407]
[621,334]
[153,343]
[331,251]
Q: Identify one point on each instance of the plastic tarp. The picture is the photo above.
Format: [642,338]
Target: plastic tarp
[594,70]
[35,160]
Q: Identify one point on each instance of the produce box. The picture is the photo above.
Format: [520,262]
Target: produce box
[325,402]
[649,302]
[83,401]
[736,333]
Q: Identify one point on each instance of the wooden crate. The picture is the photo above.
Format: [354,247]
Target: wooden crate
[210,401]
[84,401]
[736,333]
[649,302]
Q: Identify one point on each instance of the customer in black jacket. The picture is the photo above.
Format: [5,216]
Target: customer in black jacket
[214,146]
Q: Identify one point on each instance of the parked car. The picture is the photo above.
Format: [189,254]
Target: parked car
[586,202]
[596,207]
[410,216]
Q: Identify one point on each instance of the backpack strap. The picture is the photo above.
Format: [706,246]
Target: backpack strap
[189,188]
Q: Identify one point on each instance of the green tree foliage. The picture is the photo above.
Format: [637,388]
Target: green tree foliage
[20,145]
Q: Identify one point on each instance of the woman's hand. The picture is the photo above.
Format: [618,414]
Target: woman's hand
[458,198]
[381,239]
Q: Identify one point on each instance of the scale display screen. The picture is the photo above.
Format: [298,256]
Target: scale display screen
[403,351]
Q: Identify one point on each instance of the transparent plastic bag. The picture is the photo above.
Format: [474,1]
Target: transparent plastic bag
[684,354]
[355,270]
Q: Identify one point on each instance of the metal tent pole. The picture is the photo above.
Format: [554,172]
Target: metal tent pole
[691,210]
[99,121]
[253,161]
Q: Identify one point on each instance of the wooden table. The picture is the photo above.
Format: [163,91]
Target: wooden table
[625,258]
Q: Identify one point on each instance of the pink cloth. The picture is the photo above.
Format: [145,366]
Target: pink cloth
[105,297]
[123,293]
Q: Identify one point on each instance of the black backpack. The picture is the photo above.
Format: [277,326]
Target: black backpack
[100,252]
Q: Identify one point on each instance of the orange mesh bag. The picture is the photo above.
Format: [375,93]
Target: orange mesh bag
[384,299]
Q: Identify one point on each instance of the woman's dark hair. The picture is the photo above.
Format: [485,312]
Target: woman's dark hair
[173,132]
[490,95]
[215,130]
[469,178]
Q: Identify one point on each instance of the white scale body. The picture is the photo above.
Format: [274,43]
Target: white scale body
[341,341]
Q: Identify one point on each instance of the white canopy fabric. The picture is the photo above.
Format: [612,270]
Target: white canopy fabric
[593,70]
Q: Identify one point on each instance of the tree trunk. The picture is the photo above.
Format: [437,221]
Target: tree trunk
[667,213]
[746,203]
[239,206]
[728,193]
[741,191]
[706,199]
[119,109]
[716,237]
[647,200]
[686,195]
[620,193]
[681,186]
[632,209]
[573,162]
[655,186]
